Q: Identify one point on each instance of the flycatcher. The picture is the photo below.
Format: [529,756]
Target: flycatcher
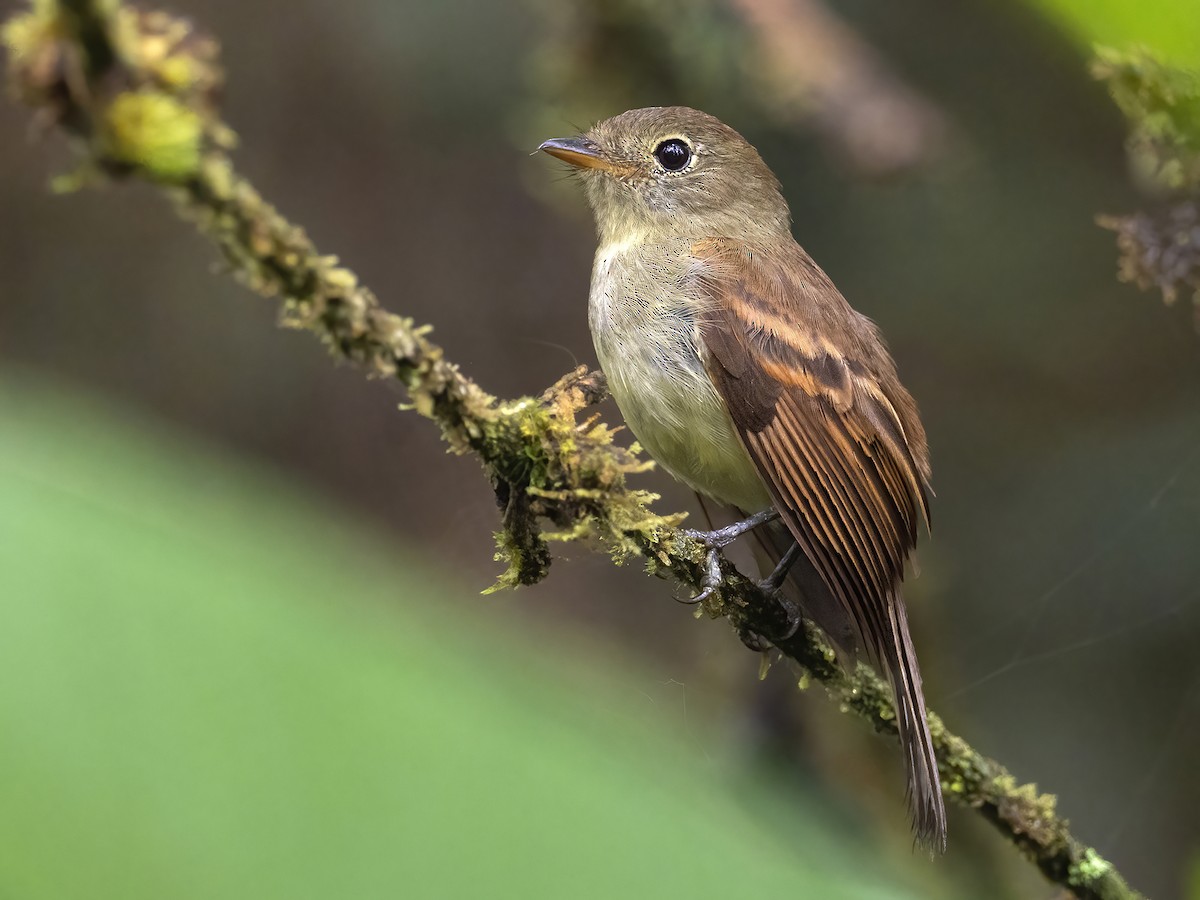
[745,374]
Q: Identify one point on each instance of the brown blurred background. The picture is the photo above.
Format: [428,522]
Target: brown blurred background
[944,163]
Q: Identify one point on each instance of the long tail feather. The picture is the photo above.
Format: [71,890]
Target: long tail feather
[924,785]
[899,660]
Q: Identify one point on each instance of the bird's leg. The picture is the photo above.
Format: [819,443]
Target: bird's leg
[717,538]
[772,582]
[770,586]
[722,537]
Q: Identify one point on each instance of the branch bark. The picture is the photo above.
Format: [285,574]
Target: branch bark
[136,91]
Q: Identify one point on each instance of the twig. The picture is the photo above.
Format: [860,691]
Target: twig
[136,90]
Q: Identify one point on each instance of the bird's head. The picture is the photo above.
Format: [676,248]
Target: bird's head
[670,171]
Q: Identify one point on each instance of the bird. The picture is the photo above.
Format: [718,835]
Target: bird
[745,374]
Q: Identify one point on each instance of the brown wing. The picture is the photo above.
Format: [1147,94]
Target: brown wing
[816,401]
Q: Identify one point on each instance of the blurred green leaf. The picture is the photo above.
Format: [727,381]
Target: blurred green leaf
[1162,104]
[211,687]
[1171,28]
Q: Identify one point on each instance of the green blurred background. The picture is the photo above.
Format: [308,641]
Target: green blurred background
[242,648]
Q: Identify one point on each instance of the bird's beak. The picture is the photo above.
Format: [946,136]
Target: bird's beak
[579,152]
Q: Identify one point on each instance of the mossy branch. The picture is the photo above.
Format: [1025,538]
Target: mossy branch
[136,91]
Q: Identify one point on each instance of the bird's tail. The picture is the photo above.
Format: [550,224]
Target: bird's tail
[924,786]
[895,652]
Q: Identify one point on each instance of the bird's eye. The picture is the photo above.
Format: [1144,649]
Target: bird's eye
[673,154]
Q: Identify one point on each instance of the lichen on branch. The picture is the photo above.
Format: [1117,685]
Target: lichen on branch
[136,92]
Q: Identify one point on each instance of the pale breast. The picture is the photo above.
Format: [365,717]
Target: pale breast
[642,312]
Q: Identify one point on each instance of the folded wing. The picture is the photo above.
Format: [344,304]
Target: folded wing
[815,399]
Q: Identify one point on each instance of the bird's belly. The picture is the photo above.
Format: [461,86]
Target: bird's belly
[688,432]
[669,402]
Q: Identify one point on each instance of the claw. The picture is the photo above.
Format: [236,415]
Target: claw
[792,612]
[771,584]
[715,540]
[792,621]
[754,641]
[712,579]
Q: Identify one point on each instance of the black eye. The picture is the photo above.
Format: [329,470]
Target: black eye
[673,155]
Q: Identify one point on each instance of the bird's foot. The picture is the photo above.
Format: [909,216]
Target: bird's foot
[771,585]
[712,577]
[715,540]
[758,641]
[791,616]
[753,641]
